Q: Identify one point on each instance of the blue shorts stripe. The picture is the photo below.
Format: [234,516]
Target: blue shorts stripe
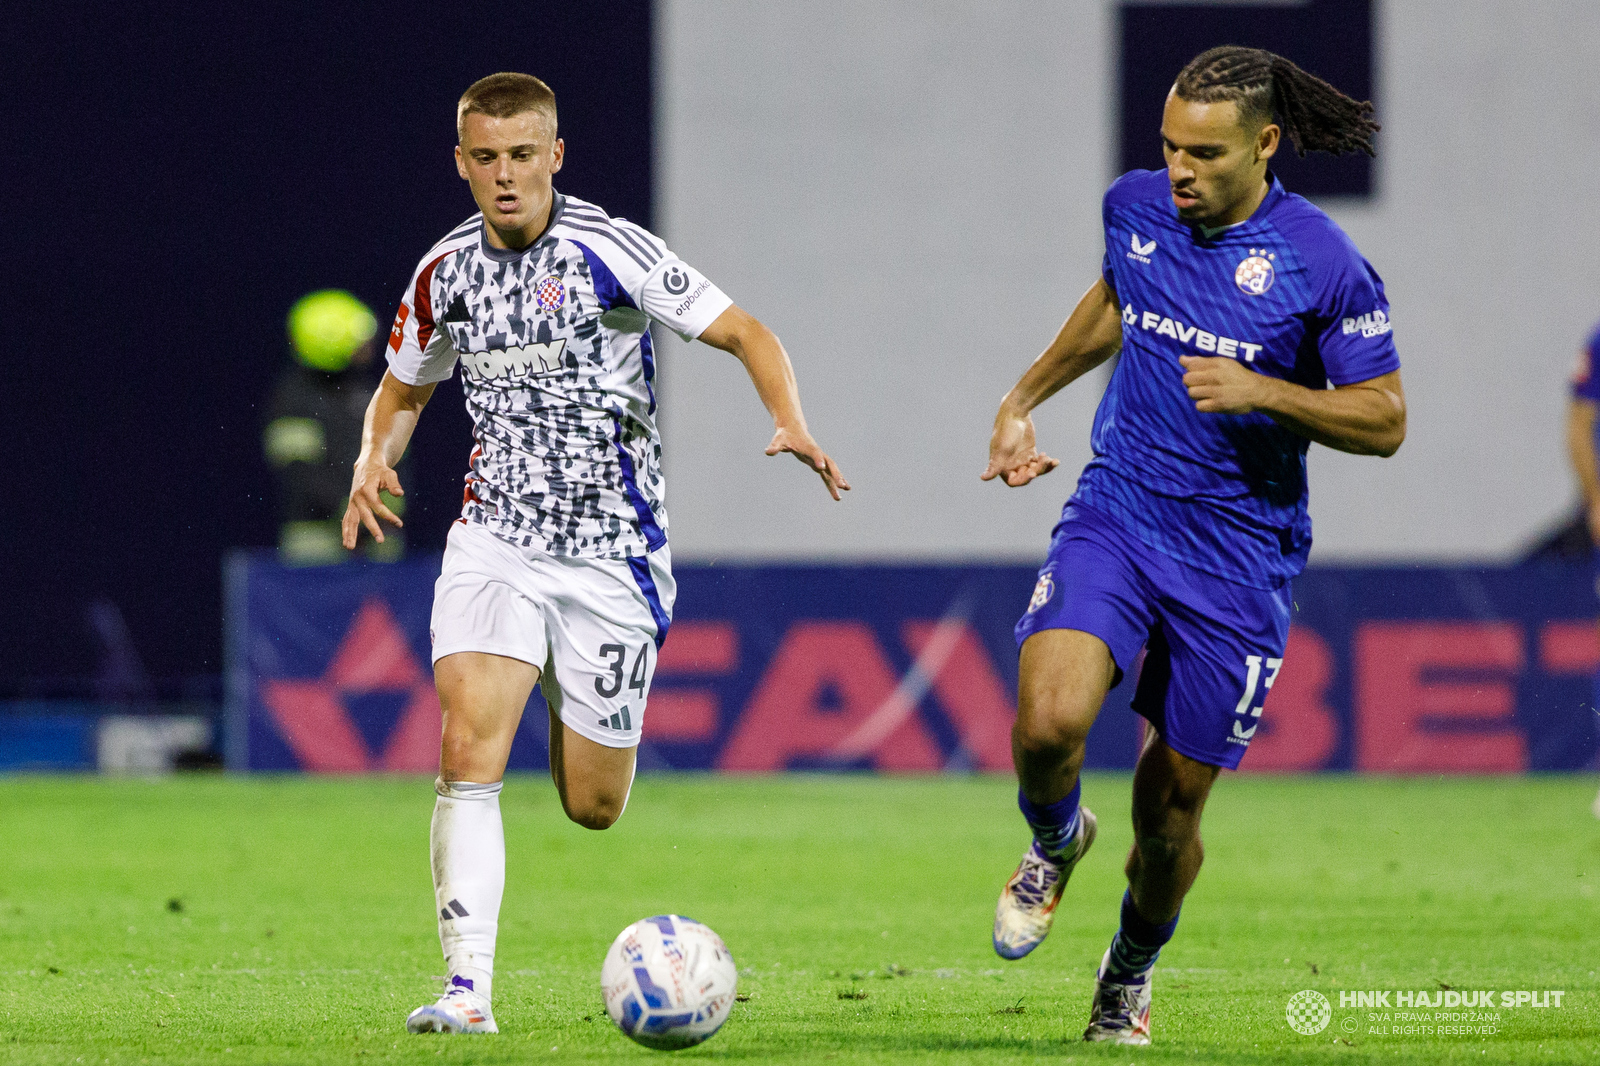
[641,575]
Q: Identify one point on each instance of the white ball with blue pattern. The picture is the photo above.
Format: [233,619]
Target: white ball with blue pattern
[669,982]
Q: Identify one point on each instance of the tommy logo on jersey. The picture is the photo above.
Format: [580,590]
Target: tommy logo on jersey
[1255,275]
[502,365]
[1141,252]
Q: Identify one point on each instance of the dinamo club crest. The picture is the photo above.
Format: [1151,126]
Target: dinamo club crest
[1255,275]
[1042,593]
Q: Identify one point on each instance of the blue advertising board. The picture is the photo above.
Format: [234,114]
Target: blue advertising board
[912,669]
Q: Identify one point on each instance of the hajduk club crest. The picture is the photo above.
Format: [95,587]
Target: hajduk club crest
[550,294]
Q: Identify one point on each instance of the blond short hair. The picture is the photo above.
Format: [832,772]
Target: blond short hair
[504,95]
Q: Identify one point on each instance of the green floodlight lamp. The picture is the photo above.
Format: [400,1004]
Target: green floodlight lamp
[326,328]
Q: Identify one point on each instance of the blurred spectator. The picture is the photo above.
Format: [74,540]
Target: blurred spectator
[1581,446]
[313,435]
[1581,426]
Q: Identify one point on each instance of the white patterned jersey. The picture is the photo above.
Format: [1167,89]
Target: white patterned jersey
[557,367]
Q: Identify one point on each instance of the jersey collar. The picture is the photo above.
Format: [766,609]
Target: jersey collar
[558,204]
[1275,193]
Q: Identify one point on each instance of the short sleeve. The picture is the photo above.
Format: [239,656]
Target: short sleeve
[419,353]
[681,298]
[1105,225]
[1357,340]
[1586,375]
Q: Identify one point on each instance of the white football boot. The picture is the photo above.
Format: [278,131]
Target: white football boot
[1028,902]
[1121,1011]
[458,1010]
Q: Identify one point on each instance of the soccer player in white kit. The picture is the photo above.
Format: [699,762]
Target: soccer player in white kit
[557,572]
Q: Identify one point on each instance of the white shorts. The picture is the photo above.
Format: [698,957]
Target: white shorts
[593,627]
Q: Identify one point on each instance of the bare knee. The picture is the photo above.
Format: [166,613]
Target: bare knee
[1053,729]
[1064,676]
[596,810]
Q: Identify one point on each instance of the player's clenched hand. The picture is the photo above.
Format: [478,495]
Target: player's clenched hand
[800,445]
[366,507]
[1222,386]
[1013,455]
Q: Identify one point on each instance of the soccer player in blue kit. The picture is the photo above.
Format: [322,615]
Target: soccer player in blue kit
[1583,447]
[1235,304]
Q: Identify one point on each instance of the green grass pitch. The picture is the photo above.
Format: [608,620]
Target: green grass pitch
[290,920]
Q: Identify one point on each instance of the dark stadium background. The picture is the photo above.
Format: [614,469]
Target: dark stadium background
[176,175]
[179,174]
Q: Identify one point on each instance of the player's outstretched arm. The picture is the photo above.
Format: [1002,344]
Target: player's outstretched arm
[1090,335]
[1363,418]
[762,354]
[391,416]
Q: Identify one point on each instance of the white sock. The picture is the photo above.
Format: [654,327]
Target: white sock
[469,877]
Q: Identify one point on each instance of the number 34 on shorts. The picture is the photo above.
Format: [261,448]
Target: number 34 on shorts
[593,627]
[609,686]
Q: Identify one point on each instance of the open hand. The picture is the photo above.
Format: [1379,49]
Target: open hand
[1013,456]
[799,444]
[371,478]
[1222,386]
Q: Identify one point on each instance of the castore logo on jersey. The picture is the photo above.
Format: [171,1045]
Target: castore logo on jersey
[1141,252]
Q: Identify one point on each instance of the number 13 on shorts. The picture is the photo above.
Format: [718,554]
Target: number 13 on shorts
[1253,679]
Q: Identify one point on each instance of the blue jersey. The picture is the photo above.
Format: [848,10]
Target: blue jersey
[1586,375]
[1287,294]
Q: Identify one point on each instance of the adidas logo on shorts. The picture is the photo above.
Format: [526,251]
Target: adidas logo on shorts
[621,720]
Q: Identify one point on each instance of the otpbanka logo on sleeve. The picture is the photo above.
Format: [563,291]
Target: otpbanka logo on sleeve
[1371,324]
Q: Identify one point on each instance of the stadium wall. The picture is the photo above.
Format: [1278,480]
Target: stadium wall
[909,194]
[912,669]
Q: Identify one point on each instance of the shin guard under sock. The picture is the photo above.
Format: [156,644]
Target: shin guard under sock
[469,877]
[1138,942]
[1054,825]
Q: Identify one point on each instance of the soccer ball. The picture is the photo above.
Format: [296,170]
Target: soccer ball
[668,982]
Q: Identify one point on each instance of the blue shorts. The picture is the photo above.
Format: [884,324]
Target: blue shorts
[1212,647]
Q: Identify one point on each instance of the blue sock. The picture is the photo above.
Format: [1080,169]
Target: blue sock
[1054,825]
[1137,944]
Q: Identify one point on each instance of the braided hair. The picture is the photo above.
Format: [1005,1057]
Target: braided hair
[1316,116]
